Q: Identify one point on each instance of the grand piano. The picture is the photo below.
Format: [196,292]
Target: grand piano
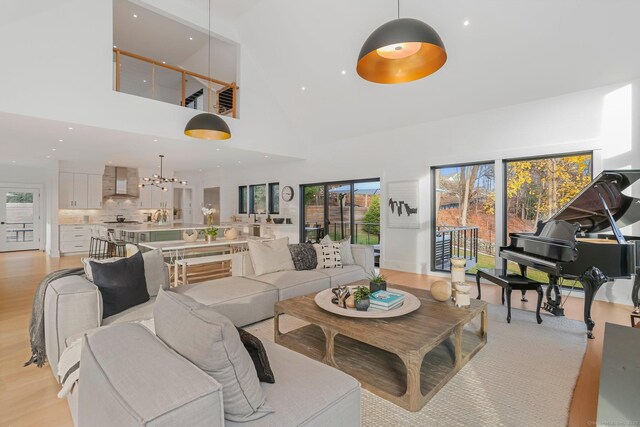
[570,244]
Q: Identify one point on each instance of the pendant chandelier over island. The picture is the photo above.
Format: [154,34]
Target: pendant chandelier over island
[160,180]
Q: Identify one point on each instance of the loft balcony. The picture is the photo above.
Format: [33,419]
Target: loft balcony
[150,78]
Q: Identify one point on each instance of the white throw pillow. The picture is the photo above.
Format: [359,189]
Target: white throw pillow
[271,256]
[346,255]
[328,256]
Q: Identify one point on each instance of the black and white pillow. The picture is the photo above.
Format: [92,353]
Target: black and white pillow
[345,248]
[328,255]
[304,256]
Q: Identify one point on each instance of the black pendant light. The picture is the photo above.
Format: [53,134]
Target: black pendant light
[208,125]
[401,51]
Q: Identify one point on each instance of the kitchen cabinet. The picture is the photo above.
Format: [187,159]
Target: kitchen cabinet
[79,191]
[76,238]
[145,196]
[160,199]
[94,191]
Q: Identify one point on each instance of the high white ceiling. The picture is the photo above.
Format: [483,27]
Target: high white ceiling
[511,52]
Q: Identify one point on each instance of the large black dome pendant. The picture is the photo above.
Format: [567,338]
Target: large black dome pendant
[207,126]
[400,51]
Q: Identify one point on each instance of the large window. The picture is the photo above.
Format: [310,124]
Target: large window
[464,212]
[537,188]
[258,199]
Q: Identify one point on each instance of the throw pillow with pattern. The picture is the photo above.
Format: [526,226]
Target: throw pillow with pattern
[304,256]
[328,256]
[345,249]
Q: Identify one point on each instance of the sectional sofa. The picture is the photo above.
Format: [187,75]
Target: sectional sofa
[306,392]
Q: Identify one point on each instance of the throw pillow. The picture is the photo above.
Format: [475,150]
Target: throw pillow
[155,270]
[328,256]
[270,256]
[258,356]
[212,343]
[346,254]
[304,256]
[121,283]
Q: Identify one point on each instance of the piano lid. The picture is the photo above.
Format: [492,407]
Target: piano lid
[587,210]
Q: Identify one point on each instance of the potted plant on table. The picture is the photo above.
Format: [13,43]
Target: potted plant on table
[377,282]
[361,297]
[210,234]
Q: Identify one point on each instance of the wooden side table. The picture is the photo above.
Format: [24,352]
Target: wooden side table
[509,282]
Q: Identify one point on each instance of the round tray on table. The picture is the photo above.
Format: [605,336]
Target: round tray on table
[411,303]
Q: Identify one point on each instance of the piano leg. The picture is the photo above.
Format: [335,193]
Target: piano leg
[554,305]
[635,292]
[508,303]
[539,290]
[591,281]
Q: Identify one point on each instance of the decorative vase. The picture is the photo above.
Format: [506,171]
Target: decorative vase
[269,218]
[362,305]
[190,236]
[463,294]
[381,286]
[458,273]
[441,290]
[231,234]
[210,239]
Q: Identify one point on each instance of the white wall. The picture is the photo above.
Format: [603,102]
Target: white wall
[604,120]
[64,50]
[47,178]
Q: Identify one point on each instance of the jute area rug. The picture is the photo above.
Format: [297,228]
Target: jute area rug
[524,376]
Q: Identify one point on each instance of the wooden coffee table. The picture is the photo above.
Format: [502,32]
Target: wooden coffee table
[405,360]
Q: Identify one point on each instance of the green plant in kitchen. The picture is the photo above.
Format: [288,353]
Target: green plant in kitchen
[361,297]
[211,232]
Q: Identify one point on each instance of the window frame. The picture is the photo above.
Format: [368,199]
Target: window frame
[243,193]
[271,197]
[251,196]
[432,267]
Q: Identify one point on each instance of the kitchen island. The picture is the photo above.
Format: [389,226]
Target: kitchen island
[149,232]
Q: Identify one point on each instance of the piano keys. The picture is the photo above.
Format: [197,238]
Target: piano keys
[570,243]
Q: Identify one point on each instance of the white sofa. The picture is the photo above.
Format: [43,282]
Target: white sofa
[73,304]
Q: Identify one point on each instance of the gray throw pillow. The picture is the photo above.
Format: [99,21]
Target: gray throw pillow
[304,256]
[211,342]
[156,272]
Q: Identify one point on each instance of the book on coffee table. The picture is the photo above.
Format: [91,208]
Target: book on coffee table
[375,307]
[385,298]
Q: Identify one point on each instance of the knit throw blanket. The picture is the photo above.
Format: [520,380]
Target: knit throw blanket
[36,325]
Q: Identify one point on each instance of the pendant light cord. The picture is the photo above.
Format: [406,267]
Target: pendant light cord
[398,9]
[209,60]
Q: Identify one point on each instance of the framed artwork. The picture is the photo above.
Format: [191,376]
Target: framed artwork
[402,204]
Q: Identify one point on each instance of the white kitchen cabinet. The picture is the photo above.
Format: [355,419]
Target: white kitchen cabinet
[160,199]
[145,196]
[74,188]
[65,190]
[94,191]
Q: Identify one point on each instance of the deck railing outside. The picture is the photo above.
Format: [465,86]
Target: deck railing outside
[453,241]
[19,231]
[221,96]
[364,233]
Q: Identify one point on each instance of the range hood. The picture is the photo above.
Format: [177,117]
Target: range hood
[120,182]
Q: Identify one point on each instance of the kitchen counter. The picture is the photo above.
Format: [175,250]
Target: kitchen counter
[147,227]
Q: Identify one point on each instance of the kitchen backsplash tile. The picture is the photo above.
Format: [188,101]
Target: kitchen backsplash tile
[111,207]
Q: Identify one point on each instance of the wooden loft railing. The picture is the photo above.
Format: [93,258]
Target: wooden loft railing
[225,93]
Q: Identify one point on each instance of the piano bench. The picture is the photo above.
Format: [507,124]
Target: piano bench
[510,281]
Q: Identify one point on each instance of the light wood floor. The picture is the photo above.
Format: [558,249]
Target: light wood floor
[28,395]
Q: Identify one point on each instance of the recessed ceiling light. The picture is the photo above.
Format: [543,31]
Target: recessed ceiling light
[265,156]
[144,81]
[190,38]
[114,46]
[70,128]
[199,170]
[239,161]
[60,140]
[218,166]
[48,156]
[217,149]
[163,62]
[466,23]
[135,16]
[344,72]
[155,140]
[13,161]
[303,88]
[53,149]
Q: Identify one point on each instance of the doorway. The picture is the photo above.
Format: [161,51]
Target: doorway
[20,224]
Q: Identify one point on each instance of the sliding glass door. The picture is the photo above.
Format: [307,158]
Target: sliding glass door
[344,209]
